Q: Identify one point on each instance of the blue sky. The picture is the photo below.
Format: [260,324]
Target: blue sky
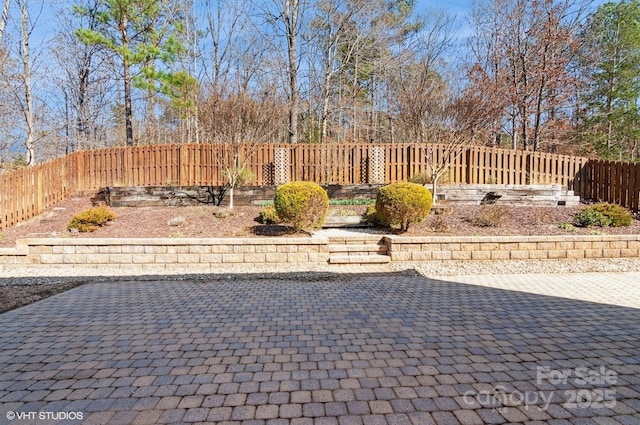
[461,8]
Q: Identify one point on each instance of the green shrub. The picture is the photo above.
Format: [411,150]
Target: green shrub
[268,215]
[400,204]
[591,217]
[302,205]
[567,226]
[89,220]
[619,216]
[604,215]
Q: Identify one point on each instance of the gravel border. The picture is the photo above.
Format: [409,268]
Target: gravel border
[476,267]
[18,275]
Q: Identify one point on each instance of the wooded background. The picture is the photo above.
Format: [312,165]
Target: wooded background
[557,76]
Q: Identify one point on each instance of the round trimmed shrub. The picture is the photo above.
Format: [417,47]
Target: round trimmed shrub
[400,204]
[302,205]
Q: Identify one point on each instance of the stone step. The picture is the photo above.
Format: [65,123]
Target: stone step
[343,221]
[359,259]
[363,249]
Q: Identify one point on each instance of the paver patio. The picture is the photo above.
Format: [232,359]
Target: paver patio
[390,348]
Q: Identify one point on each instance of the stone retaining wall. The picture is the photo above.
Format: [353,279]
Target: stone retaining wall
[311,252]
[186,253]
[415,249]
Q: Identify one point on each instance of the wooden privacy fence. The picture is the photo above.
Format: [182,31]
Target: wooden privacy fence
[25,193]
[615,182]
[196,164]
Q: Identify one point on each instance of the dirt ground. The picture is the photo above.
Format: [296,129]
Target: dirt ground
[211,222]
[14,296]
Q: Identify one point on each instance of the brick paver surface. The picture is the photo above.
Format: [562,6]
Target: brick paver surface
[328,349]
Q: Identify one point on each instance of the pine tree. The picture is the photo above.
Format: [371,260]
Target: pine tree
[612,60]
[145,35]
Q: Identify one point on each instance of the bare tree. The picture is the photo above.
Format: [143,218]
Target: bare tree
[238,124]
[360,44]
[227,26]
[420,85]
[329,31]
[285,17]
[521,65]
[4,17]
[27,103]
[83,81]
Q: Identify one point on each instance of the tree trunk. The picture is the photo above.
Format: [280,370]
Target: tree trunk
[5,16]
[231,187]
[292,10]
[434,189]
[128,109]
[325,104]
[26,65]
[81,118]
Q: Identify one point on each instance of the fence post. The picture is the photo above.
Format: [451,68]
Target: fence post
[40,201]
[183,165]
[635,189]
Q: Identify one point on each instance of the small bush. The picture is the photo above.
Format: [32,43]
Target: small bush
[591,217]
[89,220]
[440,224]
[567,226]
[222,213]
[619,216]
[302,205]
[268,215]
[400,204]
[604,215]
[489,216]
